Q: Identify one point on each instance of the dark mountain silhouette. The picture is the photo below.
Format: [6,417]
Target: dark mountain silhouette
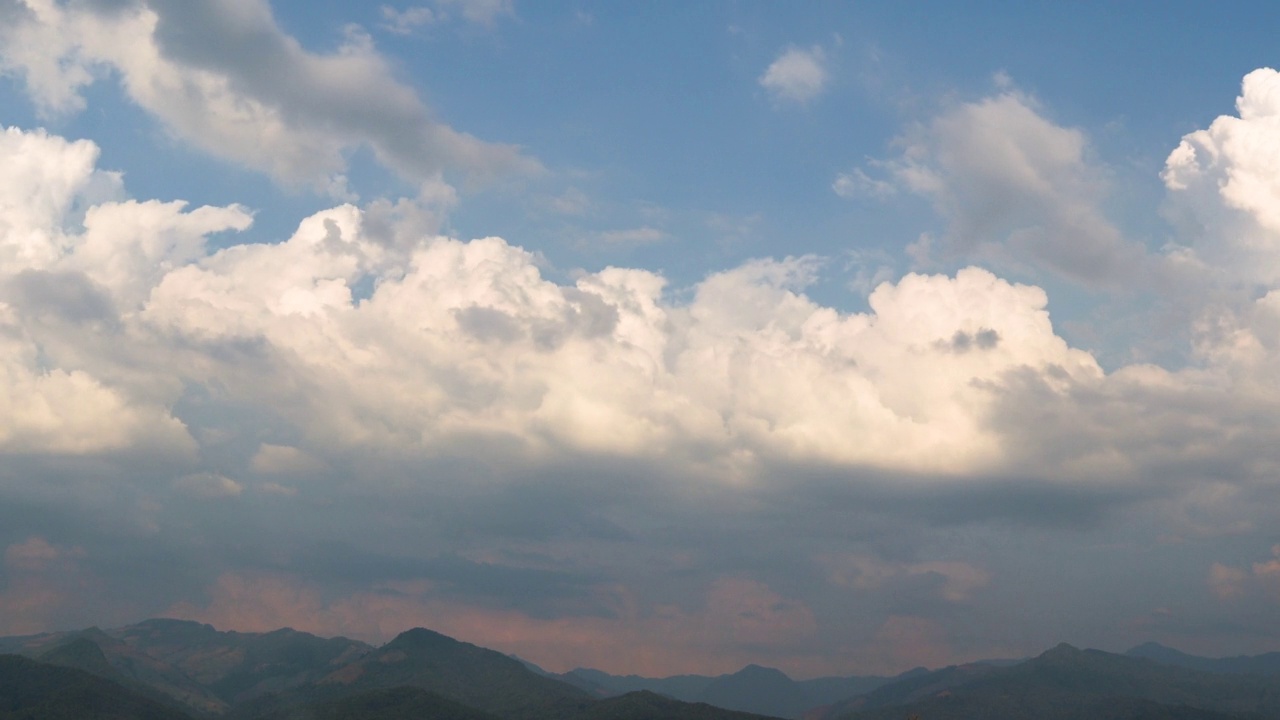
[753,689]
[645,705]
[912,686]
[758,689]
[203,669]
[237,667]
[1265,664]
[461,672]
[402,703]
[688,688]
[178,670]
[31,690]
[82,653]
[1066,683]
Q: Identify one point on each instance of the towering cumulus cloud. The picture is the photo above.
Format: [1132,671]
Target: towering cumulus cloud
[466,341]
[76,266]
[1226,184]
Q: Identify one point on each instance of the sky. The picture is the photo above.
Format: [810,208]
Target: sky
[657,338]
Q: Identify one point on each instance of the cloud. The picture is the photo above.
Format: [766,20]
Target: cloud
[226,79]
[958,580]
[734,618]
[62,291]
[483,12]
[1223,189]
[571,202]
[283,460]
[462,340]
[1014,188]
[633,236]
[857,183]
[1231,583]
[797,75]
[714,474]
[40,579]
[405,22]
[209,485]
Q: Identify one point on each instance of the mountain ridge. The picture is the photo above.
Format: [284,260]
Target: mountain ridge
[286,674]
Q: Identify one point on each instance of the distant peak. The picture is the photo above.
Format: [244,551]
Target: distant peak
[174,623]
[759,671]
[1152,647]
[420,637]
[1062,650]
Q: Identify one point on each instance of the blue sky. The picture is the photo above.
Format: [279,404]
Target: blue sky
[570,329]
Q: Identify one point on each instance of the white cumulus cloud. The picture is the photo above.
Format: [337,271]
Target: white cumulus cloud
[1224,185]
[798,75]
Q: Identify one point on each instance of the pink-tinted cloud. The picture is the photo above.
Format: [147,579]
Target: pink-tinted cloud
[738,618]
[39,580]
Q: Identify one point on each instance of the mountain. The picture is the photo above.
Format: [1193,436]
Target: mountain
[761,690]
[1066,683]
[1265,664]
[911,687]
[237,667]
[688,688]
[289,675]
[31,690]
[645,705]
[402,703]
[177,670]
[461,672]
[753,689]
[203,669]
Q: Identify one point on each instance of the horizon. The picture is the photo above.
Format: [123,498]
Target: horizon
[645,336]
[538,667]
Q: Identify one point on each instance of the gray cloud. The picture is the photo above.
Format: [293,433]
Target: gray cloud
[226,79]
[1015,188]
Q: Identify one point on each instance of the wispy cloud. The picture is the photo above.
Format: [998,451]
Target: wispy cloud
[633,236]
[407,21]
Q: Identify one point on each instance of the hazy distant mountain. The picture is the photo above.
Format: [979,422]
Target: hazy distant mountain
[753,689]
[1068,684]
[402,703]
[645,705]
[206,670]
[140,672]
[688,688]
[1265,664]
[288,675]
[31,690]
[474,676]
[758,689]
[240,666]
[911,687]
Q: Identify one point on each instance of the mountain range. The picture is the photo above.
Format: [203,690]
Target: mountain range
[181,670]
